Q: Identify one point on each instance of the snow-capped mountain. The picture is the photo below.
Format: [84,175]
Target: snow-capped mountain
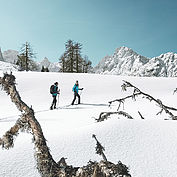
[45,62]
[1,57]
[10,56]
[127,62]
[6,59]
[53,67]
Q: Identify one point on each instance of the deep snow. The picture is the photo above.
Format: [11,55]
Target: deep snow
[147,146]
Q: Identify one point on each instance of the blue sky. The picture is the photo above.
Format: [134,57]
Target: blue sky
[149,27]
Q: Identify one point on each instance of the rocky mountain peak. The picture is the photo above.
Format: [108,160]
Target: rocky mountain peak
[1,57]
[125,61]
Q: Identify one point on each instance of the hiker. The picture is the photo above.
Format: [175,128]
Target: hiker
[76,94]
[54,91]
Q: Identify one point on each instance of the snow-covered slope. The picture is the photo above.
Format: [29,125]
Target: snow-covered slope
[147,146]
[4,66]
[127,62]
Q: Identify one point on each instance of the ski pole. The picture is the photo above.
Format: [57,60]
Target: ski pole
[58,97]
[80,92]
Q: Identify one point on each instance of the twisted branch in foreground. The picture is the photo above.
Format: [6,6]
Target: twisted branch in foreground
[137,92]
[105,115]
[46,165]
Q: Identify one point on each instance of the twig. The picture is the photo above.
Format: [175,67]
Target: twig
[140,115]
[99,148]
[175,91]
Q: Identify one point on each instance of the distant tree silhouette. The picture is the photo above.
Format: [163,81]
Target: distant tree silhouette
[44,69]
[72,61]
[25,57]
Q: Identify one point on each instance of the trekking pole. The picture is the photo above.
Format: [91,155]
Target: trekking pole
[81,93]
[58,98]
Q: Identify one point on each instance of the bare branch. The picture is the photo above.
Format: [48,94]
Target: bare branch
[105,115]
[137,92]
[99,148]
[140,115]
[175,91]
[122,100]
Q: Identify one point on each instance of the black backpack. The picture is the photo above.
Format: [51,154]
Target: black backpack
[52,89]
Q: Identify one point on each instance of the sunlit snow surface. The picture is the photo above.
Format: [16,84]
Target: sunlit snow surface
[147,147]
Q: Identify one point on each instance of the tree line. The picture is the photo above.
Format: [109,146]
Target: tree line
[70,61]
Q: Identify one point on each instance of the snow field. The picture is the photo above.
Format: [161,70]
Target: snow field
[147,146]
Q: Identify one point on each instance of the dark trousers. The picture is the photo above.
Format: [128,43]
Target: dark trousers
[54,102]
[76,95]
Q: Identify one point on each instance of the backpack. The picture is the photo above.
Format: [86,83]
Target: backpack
[52,89]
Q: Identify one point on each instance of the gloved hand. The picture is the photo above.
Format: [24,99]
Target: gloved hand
[82,88]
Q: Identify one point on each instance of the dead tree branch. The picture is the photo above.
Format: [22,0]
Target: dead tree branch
[140,115]
[175,91]
[105,115]
[99,148]
[122,100]
[137,92]
[45,163]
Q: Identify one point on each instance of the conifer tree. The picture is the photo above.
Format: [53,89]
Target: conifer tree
[62,61]
[86,65]
[43,69]
[72,61]
[70,56]
[78,58]
[25,57]
[47,69]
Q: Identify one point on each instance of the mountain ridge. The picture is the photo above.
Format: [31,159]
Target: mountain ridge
[10,57]
[126,62]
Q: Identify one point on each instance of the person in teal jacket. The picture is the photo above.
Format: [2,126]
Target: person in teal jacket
[54,91]
[76,94]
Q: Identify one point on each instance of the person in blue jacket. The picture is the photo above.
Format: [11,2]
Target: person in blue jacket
[76,94]
[54,91]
